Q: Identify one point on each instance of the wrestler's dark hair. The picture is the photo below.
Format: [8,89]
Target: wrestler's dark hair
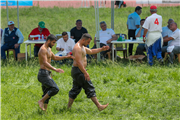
[79,20]
[86,36]
[51,37]
[64,33]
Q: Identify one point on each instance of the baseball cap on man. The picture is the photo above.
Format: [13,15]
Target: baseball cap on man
[153,7]
[42,24]
[10,22]
[138,8]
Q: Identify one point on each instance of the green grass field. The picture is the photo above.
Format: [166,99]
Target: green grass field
[133,90]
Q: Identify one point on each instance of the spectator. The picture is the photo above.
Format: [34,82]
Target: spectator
[173,40]
[153,25]
[40,30]
[133,22]
[118,3]
[166,30]
[65,45]
[105,37]
[1,31]
[78,31]
[11,39]
[139,33]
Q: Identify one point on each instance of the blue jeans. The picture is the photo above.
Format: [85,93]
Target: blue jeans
[6,47]
[154,50]
[36,50]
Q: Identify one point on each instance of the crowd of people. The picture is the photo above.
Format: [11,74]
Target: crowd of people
[149,27]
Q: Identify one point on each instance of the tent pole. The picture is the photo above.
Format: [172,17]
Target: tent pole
[18,12]
[97,28]
[112,15]
[7,11]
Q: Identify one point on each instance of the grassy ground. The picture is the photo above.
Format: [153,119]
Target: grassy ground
[134,90]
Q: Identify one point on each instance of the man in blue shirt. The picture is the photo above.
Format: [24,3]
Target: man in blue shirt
[11,39]
[133,22]
[139,33]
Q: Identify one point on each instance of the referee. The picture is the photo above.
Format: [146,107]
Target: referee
[133,22]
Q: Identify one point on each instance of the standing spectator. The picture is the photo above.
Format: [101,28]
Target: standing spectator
[133,22]
[166,30]
[40,30]
[153,25]
[11,39]
[118,3]
[174,42]
[78,31]
[105,37]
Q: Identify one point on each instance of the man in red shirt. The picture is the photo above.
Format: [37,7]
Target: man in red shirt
[40,30]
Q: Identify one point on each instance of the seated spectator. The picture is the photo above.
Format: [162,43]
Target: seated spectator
[78,31]
[166,30]
[1,31]
[105,37]
[40,30]
[139,33]
[173,40]
[65,45]
[11,39]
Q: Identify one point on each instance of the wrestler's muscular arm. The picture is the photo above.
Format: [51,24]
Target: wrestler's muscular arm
[94,51]
[79,59]
[60,57]
[43,57]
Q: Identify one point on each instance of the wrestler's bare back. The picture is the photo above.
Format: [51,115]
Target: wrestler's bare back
[44,54]
[82,52]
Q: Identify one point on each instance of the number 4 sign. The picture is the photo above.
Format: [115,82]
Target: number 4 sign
[156,21]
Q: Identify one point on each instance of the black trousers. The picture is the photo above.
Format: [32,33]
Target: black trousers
[48,85]
[131,33]
[79,82]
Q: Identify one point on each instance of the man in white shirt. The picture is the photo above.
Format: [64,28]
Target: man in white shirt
[133,22]
[105,36]
[173,40]
[65,46]
[11,39]
[154,41]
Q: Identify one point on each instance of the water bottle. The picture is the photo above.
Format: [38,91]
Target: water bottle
[123,38]
[42,37]
[39,37]
[120,38]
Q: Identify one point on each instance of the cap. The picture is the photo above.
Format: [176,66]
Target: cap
[10,22]
[42,24]
[153,7]
[138,8]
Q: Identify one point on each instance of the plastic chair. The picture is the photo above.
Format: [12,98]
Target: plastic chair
[119,47]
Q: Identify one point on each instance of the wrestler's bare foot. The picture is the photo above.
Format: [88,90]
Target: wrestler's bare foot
[41,105]
[102,107]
